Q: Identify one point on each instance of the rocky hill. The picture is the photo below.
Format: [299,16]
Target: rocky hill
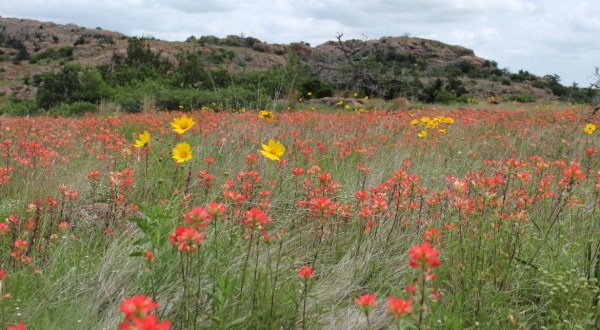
[385,68]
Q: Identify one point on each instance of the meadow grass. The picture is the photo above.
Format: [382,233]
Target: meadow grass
[508,196]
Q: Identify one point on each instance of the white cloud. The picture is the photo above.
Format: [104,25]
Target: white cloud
[586,17]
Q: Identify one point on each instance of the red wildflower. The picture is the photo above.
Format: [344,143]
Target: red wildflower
[149,322]
[215,209]
[149,256]
[256,218]
[571,175]
[209,160]
[297,171]
[93,175]
[198,216]
[186,239]
[19,326]
[63,226]
[432,235]
[306,272]
[4,229]
[321,207]
[13,218]
[138,306]
[366,302]
[399,307]
[20,245]
[206,179]
[422,255]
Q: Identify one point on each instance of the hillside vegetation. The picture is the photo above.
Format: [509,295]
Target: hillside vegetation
[68,69]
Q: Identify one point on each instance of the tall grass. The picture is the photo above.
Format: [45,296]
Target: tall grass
[509,198]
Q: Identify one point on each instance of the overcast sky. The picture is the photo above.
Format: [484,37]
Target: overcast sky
[543,37]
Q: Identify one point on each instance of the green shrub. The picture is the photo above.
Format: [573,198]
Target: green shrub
[70,109]
[72,84]
[16,107]
[521,98]
[444,96]
[538,84]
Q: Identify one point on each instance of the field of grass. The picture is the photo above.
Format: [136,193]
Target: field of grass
[432,218]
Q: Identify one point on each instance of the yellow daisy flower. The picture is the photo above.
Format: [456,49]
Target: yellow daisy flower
[182,152]
[143,140]
[273,150]
[181,125]
[589,128]
[266,115]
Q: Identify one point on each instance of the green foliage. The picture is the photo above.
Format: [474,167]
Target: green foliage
[522,98]
[191,71]
[581,95]
[72,109]
[22,53]
[197,81]
[72,83]
[522,76]
[17,107]
[53,54]
[141,63]
[443,91]
[443,96]
[553,82]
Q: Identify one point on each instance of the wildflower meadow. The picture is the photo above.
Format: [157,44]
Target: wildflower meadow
[433,218]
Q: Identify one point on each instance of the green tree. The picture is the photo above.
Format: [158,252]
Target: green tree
[553,82]
[191,72]
[141,63]
[73,83]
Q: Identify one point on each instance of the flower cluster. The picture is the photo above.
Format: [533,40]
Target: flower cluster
[428,123]
[137,314]
[423,257]
[182,151]
[186,239]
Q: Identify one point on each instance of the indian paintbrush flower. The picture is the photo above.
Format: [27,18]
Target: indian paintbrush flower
[398,306]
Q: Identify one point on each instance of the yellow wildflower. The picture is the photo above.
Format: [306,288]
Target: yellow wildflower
[273,150]
[182,152]
[143,140]
[266,115]
[589,128]
[448,120]
[181,125]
